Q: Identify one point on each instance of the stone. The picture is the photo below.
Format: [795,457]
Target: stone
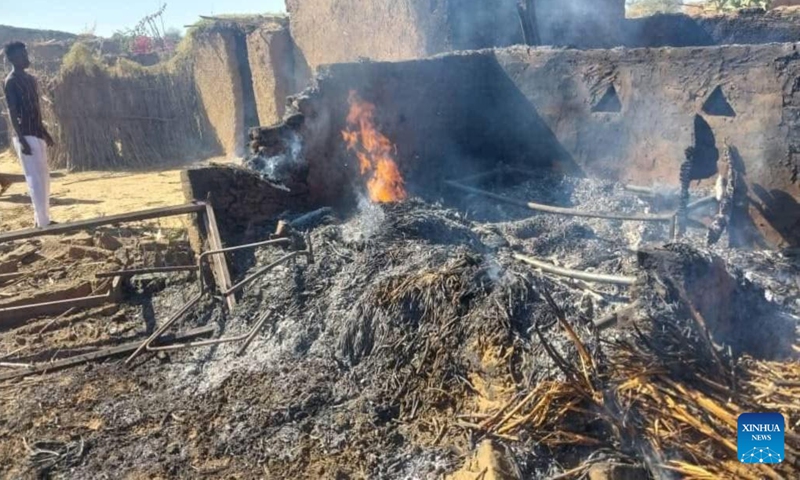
[81,239]
[77,252]
[106,241]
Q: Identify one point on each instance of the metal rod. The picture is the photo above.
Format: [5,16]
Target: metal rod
[249,245]
[101,221]
[577,274]
[559,210]
[143,271]
[701,201]
[253,333]
[647,190]
[247,337]
[175,317]
[146,345]
[203,256]
[98,355]
[261,271]
[204,343]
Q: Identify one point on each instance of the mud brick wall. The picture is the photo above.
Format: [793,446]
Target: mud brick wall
[624,115]
[744,27]
[335,31]
[241,199]
[448,117]
[219,84]
[272,63]
[739,94]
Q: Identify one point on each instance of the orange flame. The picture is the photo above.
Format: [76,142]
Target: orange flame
[374,152]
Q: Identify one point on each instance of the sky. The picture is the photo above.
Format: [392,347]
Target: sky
[104,17]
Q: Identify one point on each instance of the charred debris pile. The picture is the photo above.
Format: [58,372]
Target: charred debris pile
[421,333]
[442,328]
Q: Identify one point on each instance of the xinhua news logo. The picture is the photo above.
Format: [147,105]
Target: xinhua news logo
[761,437]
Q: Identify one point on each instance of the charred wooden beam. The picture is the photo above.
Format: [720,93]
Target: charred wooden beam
[727,194]
[685,179]
[560,210]
[21,314]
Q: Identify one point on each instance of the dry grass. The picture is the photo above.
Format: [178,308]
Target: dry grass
[632,402]
[126,115]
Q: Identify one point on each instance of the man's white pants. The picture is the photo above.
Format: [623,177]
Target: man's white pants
[37,175]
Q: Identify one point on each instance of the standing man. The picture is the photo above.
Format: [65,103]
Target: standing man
[31,139]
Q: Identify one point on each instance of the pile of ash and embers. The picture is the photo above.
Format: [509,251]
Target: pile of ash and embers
[433,342]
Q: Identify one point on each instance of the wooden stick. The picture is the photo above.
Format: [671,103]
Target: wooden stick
[220,262]
[577,274]
[560,210]
[98,355]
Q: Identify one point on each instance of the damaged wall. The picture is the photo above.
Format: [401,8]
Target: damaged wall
[625,115]
[335,31]
[668,99]
[448,117]
[244,70]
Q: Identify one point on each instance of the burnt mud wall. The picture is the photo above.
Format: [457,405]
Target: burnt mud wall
[218,77]
[624,115]
[241,198]
[334,31]
[448,117]
[669,99]
[751,26]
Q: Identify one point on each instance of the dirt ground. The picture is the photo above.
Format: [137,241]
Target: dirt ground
[81,195]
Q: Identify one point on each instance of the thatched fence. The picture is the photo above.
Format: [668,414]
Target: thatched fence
[126,115]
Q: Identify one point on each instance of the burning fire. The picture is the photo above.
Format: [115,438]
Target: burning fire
[374,152]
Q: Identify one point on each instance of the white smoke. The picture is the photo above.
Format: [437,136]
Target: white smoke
[279,168]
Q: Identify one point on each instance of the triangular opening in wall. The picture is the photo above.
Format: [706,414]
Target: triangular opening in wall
[717,105]
[609,102]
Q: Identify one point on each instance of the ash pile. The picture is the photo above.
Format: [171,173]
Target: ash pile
[427,341]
